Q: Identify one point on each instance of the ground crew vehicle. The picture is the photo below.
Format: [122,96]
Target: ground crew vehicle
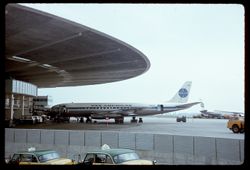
[183,119]
[114,157]
[39,157]
[236,124]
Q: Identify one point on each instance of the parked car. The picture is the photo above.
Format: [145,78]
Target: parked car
[37,157]
[115,157]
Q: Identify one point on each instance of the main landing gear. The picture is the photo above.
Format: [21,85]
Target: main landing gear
[134,120]
[140,120]
[81,120]
[88,120]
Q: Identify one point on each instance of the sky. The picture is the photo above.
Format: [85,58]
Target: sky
[202,43]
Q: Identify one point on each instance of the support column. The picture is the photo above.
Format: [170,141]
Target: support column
[22,105]
[11,110]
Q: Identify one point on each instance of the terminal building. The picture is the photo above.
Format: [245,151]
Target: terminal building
[18,98]
[42,103]
[45,51]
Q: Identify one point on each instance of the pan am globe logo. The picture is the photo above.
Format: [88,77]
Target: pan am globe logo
[183,92]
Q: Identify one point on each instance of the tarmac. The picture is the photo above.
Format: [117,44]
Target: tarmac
[151,124]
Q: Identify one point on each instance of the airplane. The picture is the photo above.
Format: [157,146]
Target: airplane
[210,114]
[230,114]
[219,114]
[118,111]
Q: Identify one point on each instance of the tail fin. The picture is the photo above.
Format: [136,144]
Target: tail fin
[183,93]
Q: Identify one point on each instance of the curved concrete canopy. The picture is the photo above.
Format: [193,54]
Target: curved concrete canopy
[50,51]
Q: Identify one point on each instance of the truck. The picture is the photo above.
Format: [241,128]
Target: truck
[236,124]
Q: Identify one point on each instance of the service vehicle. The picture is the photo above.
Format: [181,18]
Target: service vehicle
[39,157]
[116,156]
[182,118]
[236,124]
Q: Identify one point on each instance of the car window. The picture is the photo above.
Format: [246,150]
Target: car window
[103,158]
[26,158]
[125,157]
[34,159]
[89,158]
[109,160]
[15,158]
[48,156]
[99,158]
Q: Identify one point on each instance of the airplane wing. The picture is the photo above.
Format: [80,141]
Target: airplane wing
[187,105]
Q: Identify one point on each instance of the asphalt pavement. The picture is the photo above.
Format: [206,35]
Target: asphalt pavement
[151,124]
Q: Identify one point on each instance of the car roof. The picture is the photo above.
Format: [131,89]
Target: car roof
[36,152]
[113,152]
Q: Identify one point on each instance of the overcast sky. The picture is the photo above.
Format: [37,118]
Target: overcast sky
[202,43]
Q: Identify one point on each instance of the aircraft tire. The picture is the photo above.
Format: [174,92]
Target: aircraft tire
[81,120]
[140,120]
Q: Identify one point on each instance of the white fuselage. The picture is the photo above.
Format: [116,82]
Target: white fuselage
[103,110]
[115,110]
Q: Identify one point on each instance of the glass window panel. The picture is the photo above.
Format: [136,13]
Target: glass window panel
[14,85]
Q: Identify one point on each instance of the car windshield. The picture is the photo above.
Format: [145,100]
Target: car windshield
[48,156]
[125,157]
